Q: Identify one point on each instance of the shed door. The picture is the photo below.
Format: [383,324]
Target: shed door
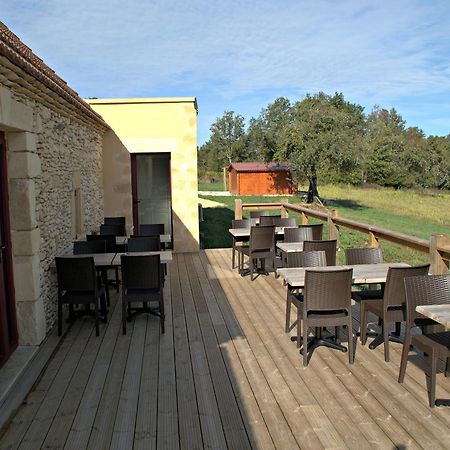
[8,328]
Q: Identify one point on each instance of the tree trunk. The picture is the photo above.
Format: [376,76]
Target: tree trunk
[312,190]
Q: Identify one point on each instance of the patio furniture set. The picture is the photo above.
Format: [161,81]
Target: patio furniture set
[322,293]
[83,275]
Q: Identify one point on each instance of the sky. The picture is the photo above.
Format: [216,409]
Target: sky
[241,55]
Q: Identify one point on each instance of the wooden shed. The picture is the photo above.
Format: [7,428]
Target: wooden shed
[256,178]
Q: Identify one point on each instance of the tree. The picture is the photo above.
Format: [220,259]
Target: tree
[266,133]
[323,139]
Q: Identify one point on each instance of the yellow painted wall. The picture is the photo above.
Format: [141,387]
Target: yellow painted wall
[159,126]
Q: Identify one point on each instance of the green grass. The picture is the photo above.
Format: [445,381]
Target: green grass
[407,212]
[218,186]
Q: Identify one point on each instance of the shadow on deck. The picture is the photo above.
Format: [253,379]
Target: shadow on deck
[224,375]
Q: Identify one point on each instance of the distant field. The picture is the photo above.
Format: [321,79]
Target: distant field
[210,186]
[405,211]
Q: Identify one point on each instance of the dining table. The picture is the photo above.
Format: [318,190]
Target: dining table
[164,238]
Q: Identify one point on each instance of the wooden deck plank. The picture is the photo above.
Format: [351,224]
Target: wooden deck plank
[25,415]
[189,429]
[42,421]
[147,411]
[168,418]
[253,420]
[81,427]
[211,425]
[296,421]
[232,423]
[101,434]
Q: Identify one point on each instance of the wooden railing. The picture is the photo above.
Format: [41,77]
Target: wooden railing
[438,246]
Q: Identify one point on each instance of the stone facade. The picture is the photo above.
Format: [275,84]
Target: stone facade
[54,175]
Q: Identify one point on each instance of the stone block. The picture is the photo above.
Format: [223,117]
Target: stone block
[26,277]
[25,243]
[31,322]
[14,115]
[21,142]
[22,204]
[23,165]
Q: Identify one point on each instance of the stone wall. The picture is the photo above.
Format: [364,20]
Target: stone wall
[52,157]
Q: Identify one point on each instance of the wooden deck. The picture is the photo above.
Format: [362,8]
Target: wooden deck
[224,375]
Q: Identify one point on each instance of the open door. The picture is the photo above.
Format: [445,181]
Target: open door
[8,326]
[151,190]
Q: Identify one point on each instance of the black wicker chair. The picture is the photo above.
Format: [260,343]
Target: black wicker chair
[329,247]
[142,282]
[144,244]
[150,229]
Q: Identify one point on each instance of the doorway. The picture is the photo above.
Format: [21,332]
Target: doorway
[8,326]
[151,190]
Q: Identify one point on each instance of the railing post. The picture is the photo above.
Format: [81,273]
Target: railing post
[284,211]
[304,218]
[373,240]
[438,264]
[333,229]
[238,209]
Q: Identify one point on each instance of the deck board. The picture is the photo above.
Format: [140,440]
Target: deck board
[224,375]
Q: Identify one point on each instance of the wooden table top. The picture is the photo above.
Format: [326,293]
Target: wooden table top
[165,256]
[362,273]
[245,232]
[290,246]
[165,238]
[439,313]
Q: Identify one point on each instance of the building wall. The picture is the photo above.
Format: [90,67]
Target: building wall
[251,183]
[54,159]
[161,126]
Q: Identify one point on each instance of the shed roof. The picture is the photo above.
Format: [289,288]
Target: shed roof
[259,167]
[22,56]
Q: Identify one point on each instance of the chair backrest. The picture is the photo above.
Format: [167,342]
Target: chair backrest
[262,238]
[329,290]
[144,244]
[298,234]
[425,290]
[285,222]
[150,229]
[115,229]
[88,247]
[306,259]
[394,292]
[268,220]
[364,255]
[243,223]
[76,274]
[258,214]
[114,221]
[109,239]
[329,247]
[317,229]
[141,272]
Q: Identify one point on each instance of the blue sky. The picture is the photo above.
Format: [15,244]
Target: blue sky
[241,55]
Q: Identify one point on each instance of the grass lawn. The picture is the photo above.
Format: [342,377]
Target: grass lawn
[405,211]
[211,186]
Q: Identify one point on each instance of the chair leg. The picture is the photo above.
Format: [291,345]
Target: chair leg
[251,268]
[233,256]
[432,394]
[404,360]
[305,343]
[363,324]
[299,329]
[161,312]
[288,313]
[97,328]
[351,350]
[386,339]
[336,335]
[124,317]
[59,318]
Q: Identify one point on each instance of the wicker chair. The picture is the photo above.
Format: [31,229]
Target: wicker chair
[78,285]
[298,234]
[144,244]
[261,246]
[285,222]
[266,221]
[294,296]
[317,229]
[238,241]
[143,283]
[112,229]
[426,290]
[391,307]
[114,221]
[258,214]
[89,247]
[326,303]
[150,229]
[329,247]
